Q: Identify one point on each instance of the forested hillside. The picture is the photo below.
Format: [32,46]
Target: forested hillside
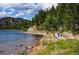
[14,23]
[65,17]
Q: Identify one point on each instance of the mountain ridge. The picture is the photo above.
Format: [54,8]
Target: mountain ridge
[14,23]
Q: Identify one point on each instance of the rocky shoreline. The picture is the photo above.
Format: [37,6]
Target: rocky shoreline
[31,50]
[49,38]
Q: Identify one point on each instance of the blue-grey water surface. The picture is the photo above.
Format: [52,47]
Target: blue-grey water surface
[10,41]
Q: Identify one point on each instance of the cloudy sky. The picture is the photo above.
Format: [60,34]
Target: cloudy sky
[22,10]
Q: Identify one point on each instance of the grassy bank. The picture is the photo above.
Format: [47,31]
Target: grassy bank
[61,47]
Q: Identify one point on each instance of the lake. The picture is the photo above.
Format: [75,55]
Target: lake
[13,41]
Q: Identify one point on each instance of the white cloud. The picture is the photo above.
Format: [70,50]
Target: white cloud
[3,13]
[48,5]
[10,11]
[28,5]
[22,9]
[45,6]
[10,5]
[29,11]
[19,14]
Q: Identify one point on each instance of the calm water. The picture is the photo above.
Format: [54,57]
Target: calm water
[13,42]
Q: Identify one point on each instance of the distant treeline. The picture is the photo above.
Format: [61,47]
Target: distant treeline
[65,17]
[15,23]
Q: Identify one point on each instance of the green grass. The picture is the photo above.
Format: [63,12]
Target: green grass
[72,45]
[21,52]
